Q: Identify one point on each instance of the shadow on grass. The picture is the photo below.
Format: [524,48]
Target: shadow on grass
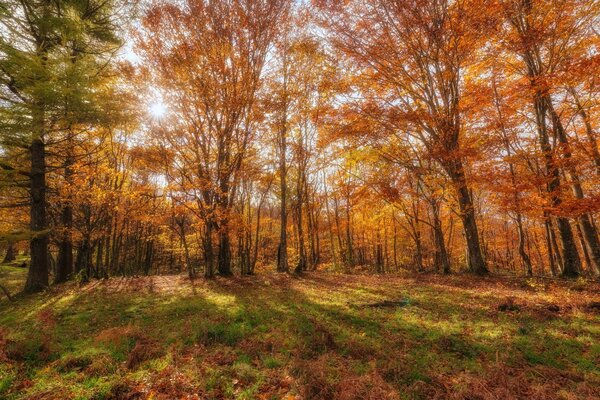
[240,337]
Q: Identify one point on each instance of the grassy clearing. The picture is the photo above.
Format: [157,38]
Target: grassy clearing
[315,337]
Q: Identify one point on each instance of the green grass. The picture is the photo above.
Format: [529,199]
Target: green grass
[12,277]
[274,336]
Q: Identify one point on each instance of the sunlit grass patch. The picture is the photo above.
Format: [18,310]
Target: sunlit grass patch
[273,336]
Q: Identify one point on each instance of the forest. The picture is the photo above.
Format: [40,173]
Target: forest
[299,199]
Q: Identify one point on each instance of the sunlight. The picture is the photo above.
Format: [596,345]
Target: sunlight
[157,110]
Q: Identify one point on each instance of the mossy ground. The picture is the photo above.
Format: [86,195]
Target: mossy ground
[312,337]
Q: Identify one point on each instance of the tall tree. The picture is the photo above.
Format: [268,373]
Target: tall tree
[207,58]
[413,55]
[51,55]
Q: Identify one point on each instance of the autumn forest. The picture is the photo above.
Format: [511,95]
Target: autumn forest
[326,199]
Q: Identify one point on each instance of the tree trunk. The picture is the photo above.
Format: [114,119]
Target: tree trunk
[282,255]
[224,256]
[301,266]
[522,252]
[83,260]
[330,226]
[588,130]
[10,255]
[208,251]
[350,250]
[37,277]
[186,251]
[570,256]
[590,234]
[256,239]
[476,263]
[549,245]
[442,260]
[64,266]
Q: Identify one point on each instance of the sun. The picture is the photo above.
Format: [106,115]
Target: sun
[157,110]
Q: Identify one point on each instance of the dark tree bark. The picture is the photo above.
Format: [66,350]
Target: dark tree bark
[570,256]
[532,57]
[589,231]
[549,245]
[224,256]
[476,262]
[64,266]
[441,258]
[208,251]
[37,277]
[11,254]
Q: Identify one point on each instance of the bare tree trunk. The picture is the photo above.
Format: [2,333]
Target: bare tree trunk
[586,254]
[282,255]
[570,256]
[330,226]
[476,263]
[10,255]
[186,252]
[37,277]
[589,232]
[516,199]
[6,292]
[588,130]
[224,256]
[208,250]
[395,243]
[442,260]
[350,250]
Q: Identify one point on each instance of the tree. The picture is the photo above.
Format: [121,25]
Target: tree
[544,36]
[413,56]
[51,55]
[207,58]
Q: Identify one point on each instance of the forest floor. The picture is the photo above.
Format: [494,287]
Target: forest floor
[319,336]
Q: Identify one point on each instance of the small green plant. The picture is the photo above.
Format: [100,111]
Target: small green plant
[271,362]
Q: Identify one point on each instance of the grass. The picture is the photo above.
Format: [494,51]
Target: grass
[283,337]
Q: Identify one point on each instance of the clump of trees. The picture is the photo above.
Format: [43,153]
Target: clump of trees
[426,135]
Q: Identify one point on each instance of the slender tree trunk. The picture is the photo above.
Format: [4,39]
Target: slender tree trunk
[256,241]
[442,260]
[83,258]
[395,243]
[588,130]
[302,262]
[64,266]
[556,250]
[339,232]
[330,226]
[282,255]
[522,252]
[379,253]
[586,254]
[10,255]
[208,250]
[350,250]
